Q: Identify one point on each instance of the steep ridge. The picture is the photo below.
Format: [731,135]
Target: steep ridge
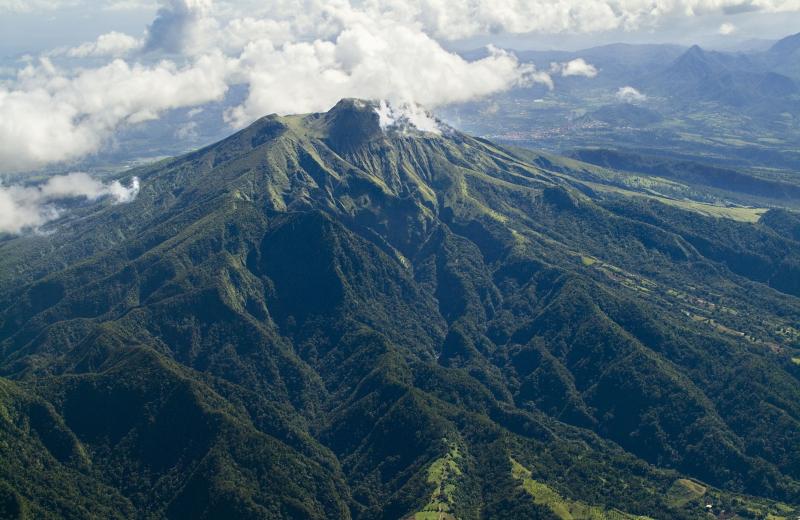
[317,316]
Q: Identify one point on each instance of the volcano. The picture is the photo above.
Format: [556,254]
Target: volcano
[324,316]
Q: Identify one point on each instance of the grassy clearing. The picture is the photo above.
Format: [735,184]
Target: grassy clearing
[738,213]
[561,507]
[684,491]
[442,474]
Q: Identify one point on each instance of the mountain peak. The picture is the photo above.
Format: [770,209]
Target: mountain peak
[352,123]
[694,53]
[695,50]
[353,111]
[694,63]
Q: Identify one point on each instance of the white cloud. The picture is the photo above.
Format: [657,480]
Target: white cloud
[576,67]
[726,29]
[180,25]
[113,45]
[50,116]
[453,20]
[448,19]
[630,95]
[239,32]
[29,207]
[370,59]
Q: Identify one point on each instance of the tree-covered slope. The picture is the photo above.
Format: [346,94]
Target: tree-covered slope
[322,318]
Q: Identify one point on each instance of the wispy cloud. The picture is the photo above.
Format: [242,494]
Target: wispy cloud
[30,207]
[110,45]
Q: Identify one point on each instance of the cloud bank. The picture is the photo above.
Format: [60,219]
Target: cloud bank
[456,20]
[52,116]
[312,76]
[30,207]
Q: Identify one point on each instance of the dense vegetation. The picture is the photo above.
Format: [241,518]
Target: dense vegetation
[318,318]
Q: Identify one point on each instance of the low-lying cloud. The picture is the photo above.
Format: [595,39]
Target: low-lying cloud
[576,67]
[292,56]
[25,208]
[630,95]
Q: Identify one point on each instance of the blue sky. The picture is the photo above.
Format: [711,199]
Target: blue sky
[43,29]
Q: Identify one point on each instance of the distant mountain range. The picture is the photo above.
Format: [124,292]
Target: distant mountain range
[732,79]
[319,317]
[690,75]
[739,110]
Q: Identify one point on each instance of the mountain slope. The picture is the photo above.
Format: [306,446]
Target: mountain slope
[784,54]
[322,318]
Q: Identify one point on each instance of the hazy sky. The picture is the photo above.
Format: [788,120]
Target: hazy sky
[38,30]
[31,26]
[740,32]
